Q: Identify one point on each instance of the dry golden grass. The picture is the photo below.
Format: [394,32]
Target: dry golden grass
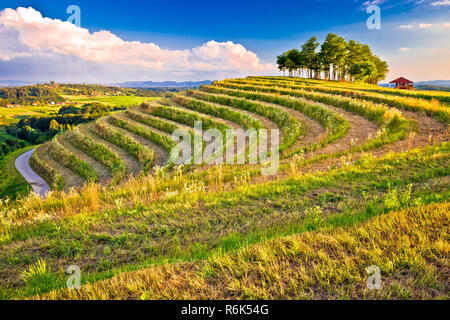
[411,248]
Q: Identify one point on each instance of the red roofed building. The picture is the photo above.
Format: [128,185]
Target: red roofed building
[402,83]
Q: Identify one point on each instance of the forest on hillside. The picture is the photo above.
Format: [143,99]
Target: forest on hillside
[29,95]
[39,129]
[334,59]
[43,94]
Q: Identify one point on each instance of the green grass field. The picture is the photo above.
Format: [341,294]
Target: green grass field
[14,115]
[363,180]
[12,184]
[109,100]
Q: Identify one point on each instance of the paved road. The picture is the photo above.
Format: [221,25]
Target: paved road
[38,184]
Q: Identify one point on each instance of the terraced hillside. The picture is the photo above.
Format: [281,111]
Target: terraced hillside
[363,180]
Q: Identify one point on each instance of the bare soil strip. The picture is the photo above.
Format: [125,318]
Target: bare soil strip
[161,156]
[71,179]
[268,124]
[430,131]
[180,125]
[103,171]
[359,131]
[133,166]
[231,124]
[124,117]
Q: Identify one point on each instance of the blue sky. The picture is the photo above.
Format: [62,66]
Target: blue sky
[414,33]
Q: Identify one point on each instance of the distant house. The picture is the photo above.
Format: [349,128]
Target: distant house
[403,83]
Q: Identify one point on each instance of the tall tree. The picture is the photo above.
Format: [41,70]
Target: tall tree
[327,53]
[281,61]
[310,55]
[337,58]
[295,59]
[340,49]
[382,70]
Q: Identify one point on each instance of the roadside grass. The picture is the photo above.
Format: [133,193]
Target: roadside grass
[47,172]
[12,184]
[410,247]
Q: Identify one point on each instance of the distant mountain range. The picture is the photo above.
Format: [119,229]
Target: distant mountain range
[16,83]
[128,84]
[439,83]
[163,84]
[195,84]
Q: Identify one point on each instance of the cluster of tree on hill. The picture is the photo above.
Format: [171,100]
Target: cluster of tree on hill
[94,89]
[39,129]
[28,95]
[43,94]
[335,59]
[10,145]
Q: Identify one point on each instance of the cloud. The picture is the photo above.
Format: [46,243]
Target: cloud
[441,3]
[446,25]
[373,2]
[414,26]
[425,25]
[404,49]
[30,35]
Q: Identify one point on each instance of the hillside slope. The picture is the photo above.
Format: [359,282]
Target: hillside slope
[348,154]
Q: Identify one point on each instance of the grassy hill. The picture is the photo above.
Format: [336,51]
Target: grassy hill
[363,180]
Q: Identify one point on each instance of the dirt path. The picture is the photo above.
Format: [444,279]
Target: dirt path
[39,185]
[359,131]
[314,132]
[430,131]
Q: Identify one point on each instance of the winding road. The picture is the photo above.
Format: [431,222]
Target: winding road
[38,184]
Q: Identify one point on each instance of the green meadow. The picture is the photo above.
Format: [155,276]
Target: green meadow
[109,100]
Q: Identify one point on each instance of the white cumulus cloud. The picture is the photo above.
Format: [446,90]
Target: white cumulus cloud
[24,32]
[441,3]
